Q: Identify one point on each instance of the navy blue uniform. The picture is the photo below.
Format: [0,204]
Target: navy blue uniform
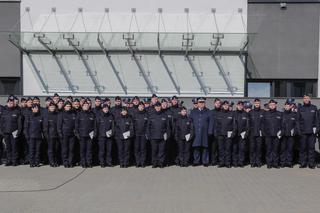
[308,123]
[66,131]
[201,119]
[50,131]
[255,123]
[158,126]
[184,127]
[25,113]
[84,130]
[1,135]
[11,122]
[272,130]
[226,127]
[105,123]
[290,129]
[140,120]
[213,137]
[124,124]
[239,148]
[34,134]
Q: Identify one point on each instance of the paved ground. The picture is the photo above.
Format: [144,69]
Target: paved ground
[160,190]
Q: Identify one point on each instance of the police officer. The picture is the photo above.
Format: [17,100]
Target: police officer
[184,134]
[50,131]
[308,123]
[290,128]
[25,113]
[66,132]
[116,109]
[272,130]
[140,119]
[11,126]
[255,123]
[85,132]
[213,137]
[226,128]
[201,119]
[124,132]
[34,134]
[105,132]
[240,141]
[135,105]
[158,132]
[97,106]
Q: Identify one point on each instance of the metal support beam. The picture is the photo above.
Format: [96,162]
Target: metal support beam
[228,82]
[97,86]
[36,71]
[59,63]
[187,45]
[143,72]
[124,87]
[166,67]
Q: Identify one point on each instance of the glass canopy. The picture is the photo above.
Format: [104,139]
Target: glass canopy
[185,64]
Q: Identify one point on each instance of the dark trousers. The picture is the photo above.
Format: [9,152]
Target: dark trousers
[307,148]
[11,148]
[184,151]
[158,151]
[123,151]
[53,150]
[214,151]
[35,150]
[272,150]
[239,151]
[105,150]
[225,150]
[200,155]
[1,148]
[86,151]
[255,150]
[140,150]
[67,151]
[286,151]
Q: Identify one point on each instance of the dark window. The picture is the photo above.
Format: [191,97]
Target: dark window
[10,86]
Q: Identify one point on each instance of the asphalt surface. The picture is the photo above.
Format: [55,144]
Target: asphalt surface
[172,189]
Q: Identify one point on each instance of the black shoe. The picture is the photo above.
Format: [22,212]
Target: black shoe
[220,165]
[83,165]
[15,164]
[8,164]
[142,165]
[154,166]
[161,166]
[302,166]
[269,166]
[195,164]
[276,167]
[109,165]
[228,166]
[312,167]
[205,165]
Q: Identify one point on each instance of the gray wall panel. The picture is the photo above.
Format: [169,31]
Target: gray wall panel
[286,45]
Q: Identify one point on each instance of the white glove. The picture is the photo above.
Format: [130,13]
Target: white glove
[243,134]
[260,132]
[292,132]
[109,133]
[279,134]
[314,129]
[126,134]
[187,137]
[165,136]
[91,135]
[15,134]
[229,134]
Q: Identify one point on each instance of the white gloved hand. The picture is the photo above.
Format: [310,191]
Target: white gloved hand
[292,132]
[15,134]
[242,134]
[314,129]
[165,136]
[279,134]
[109,133]
[187,137]
[91,135]
[229,134]
[126,134]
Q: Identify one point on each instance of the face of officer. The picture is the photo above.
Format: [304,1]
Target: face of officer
[195,105]
[10,104]
[76,105]
[272,106]
[247,110]
[105,110]
[135,102]
[183,112]
[117,102]
[52,108]
[146,104]
[29,103]
[154,100]
[225,107]
[306,99]
[164,105]
[36,101]
[85,107]
[23,104]
[287,107]
[257,104]
[141,107]
[174,102]
[217,104]
[124,112]
[60,105]
[158,108]
[240,107]
[97,102]
[67,107]
[56,99]
[35,109]
[201,105]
